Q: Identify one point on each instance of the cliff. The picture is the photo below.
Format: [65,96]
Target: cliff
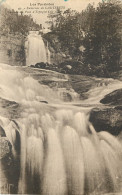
[12,49]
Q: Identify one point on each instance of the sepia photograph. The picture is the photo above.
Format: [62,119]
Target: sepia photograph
[61,97]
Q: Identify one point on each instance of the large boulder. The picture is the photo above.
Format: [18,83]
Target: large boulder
[71,67]
[107,119]
[40,65]
[114,98]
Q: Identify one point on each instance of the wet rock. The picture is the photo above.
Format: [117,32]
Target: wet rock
[7,103]
[5,147]
[40,65]
[71,67]
[2,132]
[114,98]
[45,102]
[13,134]
[118,107]
[10,109]
[8,178]
[107,119]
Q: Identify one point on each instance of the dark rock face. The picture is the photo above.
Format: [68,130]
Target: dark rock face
[107,119]
[9,161]
[114,98]
[10,109]
[118,107]
[71,67]
[8,103]
[5,147]
[40,65]
[2,132]
[6,161]
[12,47]
[45,102]
[9,164]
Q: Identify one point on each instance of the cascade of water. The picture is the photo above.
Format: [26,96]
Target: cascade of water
[36,50]
[73,160]
[61,153]
[54,176]
[48,53]
[23,89]
[97,93]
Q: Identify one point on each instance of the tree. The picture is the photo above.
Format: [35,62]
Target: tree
[96,30]
[12,22]
[103,43]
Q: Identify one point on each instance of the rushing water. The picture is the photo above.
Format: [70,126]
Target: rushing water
[37,51]
[61,153]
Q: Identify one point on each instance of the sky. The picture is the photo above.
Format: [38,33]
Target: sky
[41,16]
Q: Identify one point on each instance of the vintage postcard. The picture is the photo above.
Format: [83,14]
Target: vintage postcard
[61,97]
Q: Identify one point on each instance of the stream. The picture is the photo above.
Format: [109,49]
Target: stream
[55,148]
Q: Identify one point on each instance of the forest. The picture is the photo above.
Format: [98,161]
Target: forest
[13,22]
[93,37]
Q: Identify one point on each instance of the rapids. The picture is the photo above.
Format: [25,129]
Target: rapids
[61,153]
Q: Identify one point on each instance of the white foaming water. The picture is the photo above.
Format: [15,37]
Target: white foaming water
[61,153]
[98,92]
[15,86]
[48,54]
[36,49]
[54,176]
[94,172]
[74,162]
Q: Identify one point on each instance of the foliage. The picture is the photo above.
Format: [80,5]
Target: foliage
[97,30]
[12,22]
[103,42]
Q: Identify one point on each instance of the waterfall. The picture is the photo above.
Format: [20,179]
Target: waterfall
[37,51]
[48,53]
[61,153]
